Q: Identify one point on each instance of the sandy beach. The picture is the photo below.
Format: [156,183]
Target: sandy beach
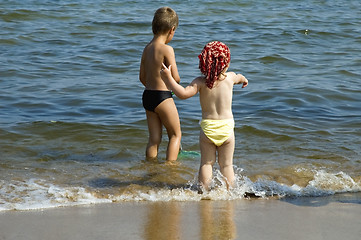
[332,217]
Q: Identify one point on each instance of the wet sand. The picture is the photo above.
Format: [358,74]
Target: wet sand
[333,217]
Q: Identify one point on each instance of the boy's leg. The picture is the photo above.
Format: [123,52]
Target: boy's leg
[225,159]
[168,114]
[208,158]
[155,134]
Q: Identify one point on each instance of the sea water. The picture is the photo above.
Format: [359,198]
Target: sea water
[73,130]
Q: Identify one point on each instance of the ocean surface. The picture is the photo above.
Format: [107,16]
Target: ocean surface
[73,130]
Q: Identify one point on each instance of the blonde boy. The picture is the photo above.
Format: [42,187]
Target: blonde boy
[215,93]
[157,99]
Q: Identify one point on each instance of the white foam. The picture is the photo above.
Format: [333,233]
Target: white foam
[330,183]
[39,194]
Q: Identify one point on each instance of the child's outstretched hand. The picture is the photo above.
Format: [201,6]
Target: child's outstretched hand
[245,83]
[240,79]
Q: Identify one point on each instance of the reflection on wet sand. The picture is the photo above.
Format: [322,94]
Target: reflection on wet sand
[163,221]
[215,220]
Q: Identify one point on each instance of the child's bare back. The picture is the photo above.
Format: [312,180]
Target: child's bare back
[154,54]
[216,103]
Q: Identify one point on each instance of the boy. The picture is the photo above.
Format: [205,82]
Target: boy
[157,99]
[215,94]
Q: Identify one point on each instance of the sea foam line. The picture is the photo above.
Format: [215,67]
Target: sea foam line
[38,194]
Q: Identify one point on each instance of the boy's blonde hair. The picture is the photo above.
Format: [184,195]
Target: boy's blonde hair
[164,19]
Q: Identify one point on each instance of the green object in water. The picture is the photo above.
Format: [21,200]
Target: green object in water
[188,154]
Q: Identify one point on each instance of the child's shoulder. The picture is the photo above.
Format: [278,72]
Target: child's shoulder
[200,80]
[165,49]
[157,48]
[168,48]
[157,45]
[231,76]
[237,78]
[160,45]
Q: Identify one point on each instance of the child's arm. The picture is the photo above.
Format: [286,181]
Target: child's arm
[178,90]
[142,71]
[240,79]
[169,59]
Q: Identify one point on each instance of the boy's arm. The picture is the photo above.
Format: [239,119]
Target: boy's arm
[178,90]
[142,71]
[240,79]
[169,59]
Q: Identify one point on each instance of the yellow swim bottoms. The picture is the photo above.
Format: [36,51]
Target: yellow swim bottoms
[218,131]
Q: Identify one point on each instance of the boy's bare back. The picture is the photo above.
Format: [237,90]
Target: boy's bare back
[154,54]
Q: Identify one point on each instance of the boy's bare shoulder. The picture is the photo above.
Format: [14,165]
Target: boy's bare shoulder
[164,50]
[159,51]
[157,47]
[160,46]
[167,49]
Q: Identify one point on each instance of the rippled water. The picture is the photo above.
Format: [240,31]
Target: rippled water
[73,131]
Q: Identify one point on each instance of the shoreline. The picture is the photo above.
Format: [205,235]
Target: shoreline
[330,217]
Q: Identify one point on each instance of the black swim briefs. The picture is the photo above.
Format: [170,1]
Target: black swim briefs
[152,98]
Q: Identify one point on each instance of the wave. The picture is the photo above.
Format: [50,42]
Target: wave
[38,194]
[276,58]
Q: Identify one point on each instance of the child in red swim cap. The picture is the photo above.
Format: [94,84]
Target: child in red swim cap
[214,58]
[215,89]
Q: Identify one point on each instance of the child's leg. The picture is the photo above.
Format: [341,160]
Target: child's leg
[155,134]
[168,114]
[225,160]
[208,158]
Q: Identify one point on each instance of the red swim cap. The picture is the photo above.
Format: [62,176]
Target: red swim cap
[214,58]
